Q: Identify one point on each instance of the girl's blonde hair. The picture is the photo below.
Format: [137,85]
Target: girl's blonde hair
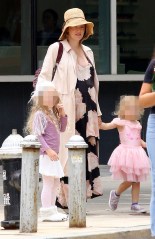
[36,104]
[126,100]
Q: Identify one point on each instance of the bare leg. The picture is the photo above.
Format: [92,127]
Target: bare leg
[115,195]
[66,191]
[122,187]
[135,192]
[135,207]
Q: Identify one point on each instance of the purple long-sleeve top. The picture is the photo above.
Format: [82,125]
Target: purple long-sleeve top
[47,132]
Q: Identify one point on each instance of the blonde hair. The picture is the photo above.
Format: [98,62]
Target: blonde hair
[36,105]
[126,100]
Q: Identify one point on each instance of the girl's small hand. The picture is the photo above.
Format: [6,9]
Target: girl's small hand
[60,108]
[143,143]
[52,154]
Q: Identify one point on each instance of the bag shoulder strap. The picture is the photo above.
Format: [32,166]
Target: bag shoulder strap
[59,55]
[60,52]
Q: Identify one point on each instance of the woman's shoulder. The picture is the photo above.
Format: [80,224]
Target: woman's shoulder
[151,64]
[149,71]
[53,46]
[88,52]
[86,48]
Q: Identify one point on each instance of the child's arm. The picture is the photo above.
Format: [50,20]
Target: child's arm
[107,126]
[63,117]
[143,143]
[63,123]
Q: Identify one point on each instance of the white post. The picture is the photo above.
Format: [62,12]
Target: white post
[77,181]
[29,184]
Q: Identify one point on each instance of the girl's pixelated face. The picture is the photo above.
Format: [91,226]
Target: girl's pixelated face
[131,109]
[48,98]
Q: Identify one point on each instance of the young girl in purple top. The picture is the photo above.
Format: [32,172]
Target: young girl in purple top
[46,120]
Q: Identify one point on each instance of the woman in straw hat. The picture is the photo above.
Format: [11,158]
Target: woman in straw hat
[76,81]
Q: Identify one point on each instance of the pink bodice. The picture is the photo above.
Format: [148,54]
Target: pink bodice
[130,133]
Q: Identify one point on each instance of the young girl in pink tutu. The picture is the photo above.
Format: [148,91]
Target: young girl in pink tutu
[128,162]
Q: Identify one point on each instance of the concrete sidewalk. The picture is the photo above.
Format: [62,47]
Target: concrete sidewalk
[101,221]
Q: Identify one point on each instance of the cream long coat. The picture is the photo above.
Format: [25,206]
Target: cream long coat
[65,82]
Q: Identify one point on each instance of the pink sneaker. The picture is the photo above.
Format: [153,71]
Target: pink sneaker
[113,200]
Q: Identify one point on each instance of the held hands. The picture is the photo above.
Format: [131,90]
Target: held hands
[61,110]
[101,124]
[52,154]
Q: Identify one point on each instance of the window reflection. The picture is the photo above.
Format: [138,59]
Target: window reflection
[10,37]
[135,35]
[50,31]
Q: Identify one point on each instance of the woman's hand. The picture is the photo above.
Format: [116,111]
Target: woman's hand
[52,154]
[61,110]
[92,141]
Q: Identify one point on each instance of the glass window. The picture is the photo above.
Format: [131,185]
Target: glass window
[18,44]
[135,35]
[50,19]
[10,37]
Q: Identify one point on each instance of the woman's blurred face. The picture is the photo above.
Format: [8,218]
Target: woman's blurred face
[77,32]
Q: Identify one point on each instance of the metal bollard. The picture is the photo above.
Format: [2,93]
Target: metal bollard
[77,181]
[29,184]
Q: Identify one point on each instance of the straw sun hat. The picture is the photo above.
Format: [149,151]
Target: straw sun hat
[75,17]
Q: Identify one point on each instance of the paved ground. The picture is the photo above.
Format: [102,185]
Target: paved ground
[101,222]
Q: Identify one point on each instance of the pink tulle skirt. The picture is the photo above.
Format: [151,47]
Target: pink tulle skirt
[129,163]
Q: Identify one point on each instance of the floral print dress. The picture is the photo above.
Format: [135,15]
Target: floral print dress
[87,125]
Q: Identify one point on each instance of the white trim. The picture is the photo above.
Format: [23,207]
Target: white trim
[16,78]
[113,36]
[29,78]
